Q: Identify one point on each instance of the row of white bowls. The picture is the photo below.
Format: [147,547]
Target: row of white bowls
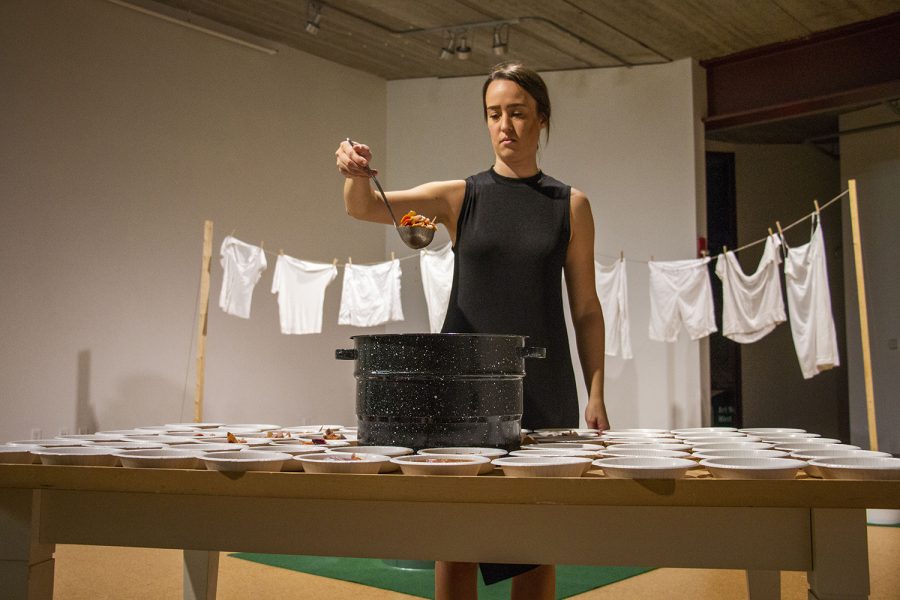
[633,453]
[760,453]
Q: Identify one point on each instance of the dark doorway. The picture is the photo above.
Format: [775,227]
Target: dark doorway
[721,227]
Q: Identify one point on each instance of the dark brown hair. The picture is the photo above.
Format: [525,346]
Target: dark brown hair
[529,80]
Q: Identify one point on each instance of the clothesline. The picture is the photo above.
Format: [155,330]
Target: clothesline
[621,256]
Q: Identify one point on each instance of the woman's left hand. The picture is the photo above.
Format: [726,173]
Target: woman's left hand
[595,415]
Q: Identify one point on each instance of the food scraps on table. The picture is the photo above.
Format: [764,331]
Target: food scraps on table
[233,439]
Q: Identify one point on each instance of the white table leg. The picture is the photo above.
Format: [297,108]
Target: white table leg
[764,585]
[26,565]
[201,572]
[840,554]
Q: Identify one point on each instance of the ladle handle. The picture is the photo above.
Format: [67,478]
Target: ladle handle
[380,190]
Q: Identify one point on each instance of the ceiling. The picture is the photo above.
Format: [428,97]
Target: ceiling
[402,39]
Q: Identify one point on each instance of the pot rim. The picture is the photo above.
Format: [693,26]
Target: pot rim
[406,335]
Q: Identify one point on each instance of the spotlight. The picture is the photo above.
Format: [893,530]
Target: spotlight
[448,50]
[501,42]
[463,51]
[314,12]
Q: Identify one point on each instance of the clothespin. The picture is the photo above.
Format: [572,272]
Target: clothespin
[724,249]
[652,259]
[334,263]
[704,253]
[621,255]
[778,226]
[349,260]
[281,252]
[232,232]
[770,232]
[816,204]
[392,255]
[262,244]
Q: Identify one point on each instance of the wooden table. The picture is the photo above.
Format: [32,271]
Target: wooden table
[763,527]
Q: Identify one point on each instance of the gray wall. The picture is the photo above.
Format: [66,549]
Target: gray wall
[873,158]
[779,183]
[121,133]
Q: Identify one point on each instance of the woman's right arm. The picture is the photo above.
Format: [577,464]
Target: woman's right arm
[437,199]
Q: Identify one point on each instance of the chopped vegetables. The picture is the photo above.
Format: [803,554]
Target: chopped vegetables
[411,219]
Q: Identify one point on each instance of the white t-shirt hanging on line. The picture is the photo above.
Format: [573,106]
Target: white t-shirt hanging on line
[612,288]
[243,264]
[437,279]
[809,304]
[680,292]
[751,304]
[371,294]
[300,286]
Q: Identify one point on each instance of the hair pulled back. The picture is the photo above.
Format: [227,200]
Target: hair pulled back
[528,80]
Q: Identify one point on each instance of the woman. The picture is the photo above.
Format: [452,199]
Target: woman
[514,230]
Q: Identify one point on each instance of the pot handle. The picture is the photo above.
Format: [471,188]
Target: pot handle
[532,352]
[350,354]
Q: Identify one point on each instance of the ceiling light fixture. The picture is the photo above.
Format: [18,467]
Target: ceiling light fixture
[501,39]
[314,14]
[448,50]
[463,51]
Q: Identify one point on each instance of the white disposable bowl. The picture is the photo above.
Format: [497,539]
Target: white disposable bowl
[561,446]
[195,425]
[327,445]
[249,426]
[701,430]
[722,439]
[740,454]
[490,453]
[343,462]
[788,437]
[829,452]
[753,468]
[858,467]
[77,455]
[163,458]
[644,467]
[169,440]
[389,451]
[117,445]
[804,445]
[768,430]
[296,450]
[244,460]
[314,428]
[90,437]
[635,452]
[652,445]
[711,435]
[706,446]
[48,443]
[555,452]
[209,448]
[446,464]
[18,455]
[543,466]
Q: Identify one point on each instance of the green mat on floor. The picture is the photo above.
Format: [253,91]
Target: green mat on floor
[570,580]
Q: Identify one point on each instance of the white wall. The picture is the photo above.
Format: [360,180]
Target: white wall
[120,134]
[873,159]
[631,139]
[778,182]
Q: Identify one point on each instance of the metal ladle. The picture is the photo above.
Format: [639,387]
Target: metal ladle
[414,237]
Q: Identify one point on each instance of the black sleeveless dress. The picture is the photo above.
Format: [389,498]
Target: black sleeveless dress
[511,243]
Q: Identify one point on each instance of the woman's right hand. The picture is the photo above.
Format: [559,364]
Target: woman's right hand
[353,160]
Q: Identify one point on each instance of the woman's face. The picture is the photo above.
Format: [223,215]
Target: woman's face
[513,121]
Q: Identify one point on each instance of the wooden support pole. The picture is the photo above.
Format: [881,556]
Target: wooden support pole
[201,322]
[863,317]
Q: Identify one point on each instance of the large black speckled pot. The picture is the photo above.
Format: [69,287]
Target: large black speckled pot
[427,390]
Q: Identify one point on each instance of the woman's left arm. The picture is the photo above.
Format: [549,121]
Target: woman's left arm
[587,316]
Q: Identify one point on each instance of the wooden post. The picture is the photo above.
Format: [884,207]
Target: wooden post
[863,317]
[201,323]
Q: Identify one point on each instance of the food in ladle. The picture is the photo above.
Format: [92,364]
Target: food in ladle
[411,219]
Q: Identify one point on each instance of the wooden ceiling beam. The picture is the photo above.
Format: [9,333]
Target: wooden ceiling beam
[841,68]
